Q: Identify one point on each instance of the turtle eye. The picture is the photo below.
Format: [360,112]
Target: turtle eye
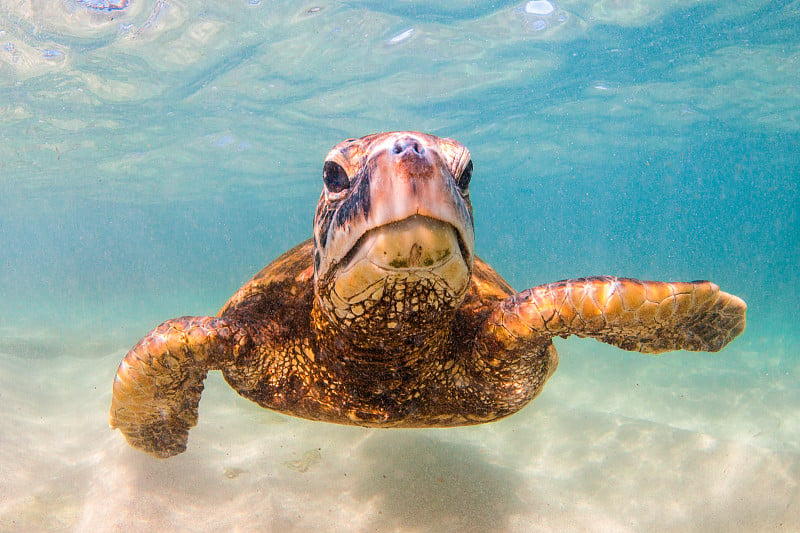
[335,177]
[465,177]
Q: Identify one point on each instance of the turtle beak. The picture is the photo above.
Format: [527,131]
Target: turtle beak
[410,177]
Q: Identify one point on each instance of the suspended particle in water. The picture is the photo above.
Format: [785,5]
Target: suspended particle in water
[224,141]
[233,472]
[314,9]
[105,5]
[539,7]
[253,2]
[309,459]
[400,37]
[52,54]
[538,25]
[8,47]
[125,29]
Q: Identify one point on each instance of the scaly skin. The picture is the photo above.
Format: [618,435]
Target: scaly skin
[642,316]
[158,385]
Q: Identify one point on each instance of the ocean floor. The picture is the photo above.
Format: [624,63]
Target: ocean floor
[616,442]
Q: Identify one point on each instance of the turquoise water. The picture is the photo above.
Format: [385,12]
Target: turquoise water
[155,154]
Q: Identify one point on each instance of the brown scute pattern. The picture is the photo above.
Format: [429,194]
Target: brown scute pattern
[397,310]
[402,377]
[158,385]
[643,316]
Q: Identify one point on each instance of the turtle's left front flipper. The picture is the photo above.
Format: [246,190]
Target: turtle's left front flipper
[158,385]
[643,316]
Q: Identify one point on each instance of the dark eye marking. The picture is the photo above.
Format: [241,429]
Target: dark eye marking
[323,222]
[316,260]
[335,177]
[357,201]
[465,177]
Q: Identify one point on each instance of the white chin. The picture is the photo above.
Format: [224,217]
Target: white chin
[415,247]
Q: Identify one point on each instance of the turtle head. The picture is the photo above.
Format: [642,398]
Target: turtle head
[393,233]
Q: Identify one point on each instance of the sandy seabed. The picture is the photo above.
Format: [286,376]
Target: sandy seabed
[617,442]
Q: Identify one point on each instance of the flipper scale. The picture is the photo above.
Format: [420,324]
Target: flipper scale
[645,316]
[158,385]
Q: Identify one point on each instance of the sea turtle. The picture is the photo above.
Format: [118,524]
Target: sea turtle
[386,318]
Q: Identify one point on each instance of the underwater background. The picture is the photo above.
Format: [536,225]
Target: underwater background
[155,154]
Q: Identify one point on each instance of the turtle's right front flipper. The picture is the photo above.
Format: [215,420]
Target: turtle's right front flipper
[643,316]
[158,385]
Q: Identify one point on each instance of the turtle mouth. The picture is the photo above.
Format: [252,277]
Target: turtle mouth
[414,243]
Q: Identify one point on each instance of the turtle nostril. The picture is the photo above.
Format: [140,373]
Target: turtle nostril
[408,144]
